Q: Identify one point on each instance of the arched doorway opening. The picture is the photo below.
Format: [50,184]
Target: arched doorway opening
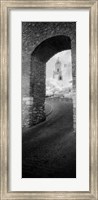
[39,57]
[59,74]
[58,84]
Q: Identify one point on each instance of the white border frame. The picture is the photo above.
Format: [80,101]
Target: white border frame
[82,181]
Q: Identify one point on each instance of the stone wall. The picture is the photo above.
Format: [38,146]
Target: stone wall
[33,34]
[37,90]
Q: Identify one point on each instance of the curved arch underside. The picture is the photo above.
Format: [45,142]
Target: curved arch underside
[49,47]
[42,53]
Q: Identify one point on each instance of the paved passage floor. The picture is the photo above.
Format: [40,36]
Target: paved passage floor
[49,149]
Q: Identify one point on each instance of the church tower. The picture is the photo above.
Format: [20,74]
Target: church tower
[57,73]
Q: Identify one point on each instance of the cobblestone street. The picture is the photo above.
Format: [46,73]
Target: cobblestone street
[49,149]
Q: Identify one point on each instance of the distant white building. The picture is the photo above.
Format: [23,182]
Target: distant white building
[57,73]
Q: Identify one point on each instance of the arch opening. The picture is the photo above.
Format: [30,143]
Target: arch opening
[59,75]
[39,57]
[58,84]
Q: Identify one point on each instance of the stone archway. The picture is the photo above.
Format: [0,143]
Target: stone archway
[42,53]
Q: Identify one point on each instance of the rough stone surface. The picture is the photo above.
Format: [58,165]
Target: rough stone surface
[35,52]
